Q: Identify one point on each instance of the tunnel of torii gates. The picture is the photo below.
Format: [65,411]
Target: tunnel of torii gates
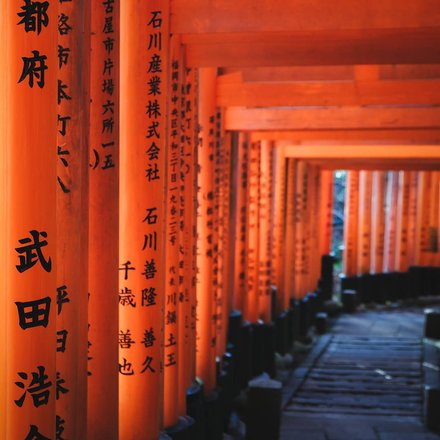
[166,163]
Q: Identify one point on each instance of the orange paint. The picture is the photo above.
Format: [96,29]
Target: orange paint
[390,221]
[72,212]
[402,260]
[364,231]
[102,409]
[301,200]
[289,273]
[412,218]
[264,239]
[142,271]
[378,221]
[206,347]
[30,218]
[240,255]
[252,236]
[188,187]
[351,213]
[174,281]
[3,221]
[279,224]
[325,212]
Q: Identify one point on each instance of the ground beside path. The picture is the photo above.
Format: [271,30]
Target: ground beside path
[366,383]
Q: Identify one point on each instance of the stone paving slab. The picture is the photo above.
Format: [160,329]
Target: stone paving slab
[365,384]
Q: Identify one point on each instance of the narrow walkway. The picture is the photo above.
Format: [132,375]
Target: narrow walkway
[367,383]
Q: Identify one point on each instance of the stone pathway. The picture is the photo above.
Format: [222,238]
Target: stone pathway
[366,384]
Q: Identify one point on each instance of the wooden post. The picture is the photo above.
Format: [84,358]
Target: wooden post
[301,200]
[402,261]
[188,206]
[378,222]
[206,346]
[3,222]
[102,410]
[142,271]
[351,213]
[364,232]
[412,218]
[390,221]
[72,214]
[264,241]
[290,246]
[422,221]
[325,212]
[172,362]
[252,236]
[433,217]
[240,255]
[280,232]
[29,281]
[225,233]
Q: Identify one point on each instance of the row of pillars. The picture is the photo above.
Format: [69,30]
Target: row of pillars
[132,223]
[392,221]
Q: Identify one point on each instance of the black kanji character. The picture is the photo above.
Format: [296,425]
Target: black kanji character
[32,252]
[34,67]
[34,16]
[126,267]
[149,297]
[60,389]
[62,297]
[126,369]
[38,388]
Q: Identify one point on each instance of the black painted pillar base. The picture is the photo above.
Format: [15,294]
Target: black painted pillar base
[321,323]
[349,283]
[244,358]
[349,300]
[213,416]
[432,324]
[304,318]
[195,409]
[263,414]
[282,333]
[295,321]
[263,349]
[184,429]
[432,408]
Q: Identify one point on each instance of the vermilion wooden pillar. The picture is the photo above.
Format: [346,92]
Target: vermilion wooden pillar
[402,261]
[264,245]
[390,221]
[289,232]
[252,236]
[279,236]
[72,213]
[142,271]
[434,217]
[351,213]
[313,225]
[301,189]
[378,221]
[102,411]
[173,284]
[3,221]
[240,255]
[412,218]
[30,83]
[325,212]
[206,347]
[187,226]
[423,216]
[225,233]
[364,232]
